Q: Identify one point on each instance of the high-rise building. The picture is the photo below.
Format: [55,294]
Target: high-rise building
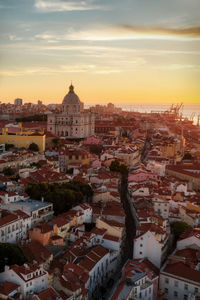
[73,122]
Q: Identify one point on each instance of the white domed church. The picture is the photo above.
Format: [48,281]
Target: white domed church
[73,122]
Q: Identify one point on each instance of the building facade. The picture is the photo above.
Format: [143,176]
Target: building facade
[179,281]
[73,122]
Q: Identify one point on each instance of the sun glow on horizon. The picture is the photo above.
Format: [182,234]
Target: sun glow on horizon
[45,44]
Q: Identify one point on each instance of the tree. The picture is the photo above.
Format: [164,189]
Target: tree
[179,227]
[187,156]
[55,141]
[34,118]
[8,146]
[63,195]
[33,147]
[123,169]
[70,171]
[117,167]
[11,254]
[8,171]
[95,149]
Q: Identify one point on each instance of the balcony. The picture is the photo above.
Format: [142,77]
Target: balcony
[44,214]
[146,285]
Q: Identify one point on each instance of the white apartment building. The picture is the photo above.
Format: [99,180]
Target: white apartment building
[151,241]
[161,206]
[38,210]
[180,282]
[86,210]
[189,239]
[13,226]
[31,277]
[137,285]
[96,262]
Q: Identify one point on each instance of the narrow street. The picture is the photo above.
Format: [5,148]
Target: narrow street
[146,149]
[129,221]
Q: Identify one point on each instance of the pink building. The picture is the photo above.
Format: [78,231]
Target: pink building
[142,176]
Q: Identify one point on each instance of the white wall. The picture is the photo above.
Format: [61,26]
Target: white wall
[177,285]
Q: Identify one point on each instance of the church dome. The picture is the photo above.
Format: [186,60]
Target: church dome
[71,97]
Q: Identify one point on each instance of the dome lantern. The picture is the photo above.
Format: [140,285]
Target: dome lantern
[71,102]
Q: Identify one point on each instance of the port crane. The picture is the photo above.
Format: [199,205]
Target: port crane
[192,116]
[198,120]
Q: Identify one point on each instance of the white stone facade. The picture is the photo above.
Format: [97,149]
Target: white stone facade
[161,206]
[14,227]
[151,246]
[31,278]
[73,122]
[180,288]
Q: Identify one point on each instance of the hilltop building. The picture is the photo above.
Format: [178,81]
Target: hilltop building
[73,122]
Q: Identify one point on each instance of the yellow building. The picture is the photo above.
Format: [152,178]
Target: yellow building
[23,138]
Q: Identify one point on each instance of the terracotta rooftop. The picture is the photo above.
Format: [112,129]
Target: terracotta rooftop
[7,287]
[181,270]
[48,294]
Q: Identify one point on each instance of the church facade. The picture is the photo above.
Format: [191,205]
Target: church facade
[73,122]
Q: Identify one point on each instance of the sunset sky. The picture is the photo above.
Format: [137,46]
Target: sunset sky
[125,52]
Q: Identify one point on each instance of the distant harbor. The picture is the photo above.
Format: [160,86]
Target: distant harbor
[188,111]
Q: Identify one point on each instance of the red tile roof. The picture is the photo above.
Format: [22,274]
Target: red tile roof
[6,287]
[8,219]
[189,233]
[181,270]
[48,294]
[36,251]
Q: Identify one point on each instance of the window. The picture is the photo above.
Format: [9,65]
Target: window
[166,280]
[166,291]
[185,297]
[175,294]
[196,290]
[176,283]
[140,253]
[141,245]
[186,286]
